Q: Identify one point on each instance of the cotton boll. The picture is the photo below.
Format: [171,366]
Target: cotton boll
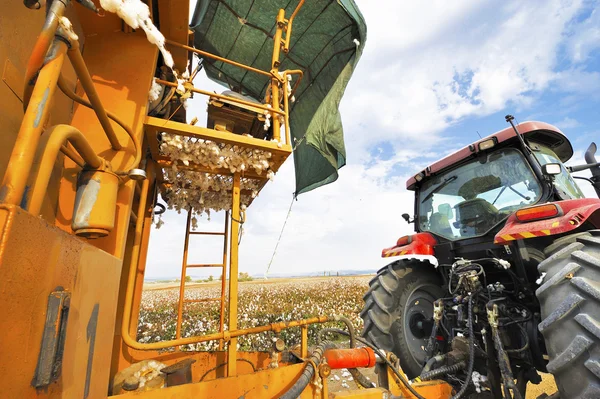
[154,91]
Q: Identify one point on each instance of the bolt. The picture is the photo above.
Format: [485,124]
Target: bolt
[324,370]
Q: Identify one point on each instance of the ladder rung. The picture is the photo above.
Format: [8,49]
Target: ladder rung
[208,233]
[201,300]
[205,265]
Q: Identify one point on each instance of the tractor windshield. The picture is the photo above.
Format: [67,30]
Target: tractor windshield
[471,199]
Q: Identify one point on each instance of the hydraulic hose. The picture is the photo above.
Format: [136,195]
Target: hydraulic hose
[309,371]
[463,389]
[431,362]
[439,372]
[354,372]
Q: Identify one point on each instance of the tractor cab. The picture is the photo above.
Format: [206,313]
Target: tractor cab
[473,191]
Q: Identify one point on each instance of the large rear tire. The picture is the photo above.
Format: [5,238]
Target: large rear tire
[399,308]
[570,305]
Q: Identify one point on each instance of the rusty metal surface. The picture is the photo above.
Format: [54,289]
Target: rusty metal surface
[34,259]
[49,364]
[179,373]
[269,383]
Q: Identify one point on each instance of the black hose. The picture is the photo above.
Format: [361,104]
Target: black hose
[439,372]
[354,372]
[382,356]
[431,362]
[309,371]
[463,389]
[350,328]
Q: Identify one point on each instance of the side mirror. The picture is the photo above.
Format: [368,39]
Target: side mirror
[552,169]
[406,217]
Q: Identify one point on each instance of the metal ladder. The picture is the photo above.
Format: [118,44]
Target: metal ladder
[185,266]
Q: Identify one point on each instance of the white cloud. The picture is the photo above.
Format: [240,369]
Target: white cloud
[567,123]
[585,37]
[426,67]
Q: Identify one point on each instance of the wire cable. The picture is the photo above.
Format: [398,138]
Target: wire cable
[280,234]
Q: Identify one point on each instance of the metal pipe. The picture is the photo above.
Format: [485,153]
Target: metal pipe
[233,275]
[62,85]
[288,34]
[223,278]
[41,47]
[51,144]
[275,71]
[183,275]
[216,57]
[222,97]
[88,85]
[34,120]
[72,155]
[286,109]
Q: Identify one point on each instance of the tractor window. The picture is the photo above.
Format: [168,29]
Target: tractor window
[563,182]
[471,199]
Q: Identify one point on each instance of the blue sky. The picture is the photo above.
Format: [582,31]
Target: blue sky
[431,77]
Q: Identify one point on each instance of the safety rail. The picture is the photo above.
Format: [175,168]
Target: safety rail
[276,77]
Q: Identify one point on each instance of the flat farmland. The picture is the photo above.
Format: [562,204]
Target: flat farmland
[262,302]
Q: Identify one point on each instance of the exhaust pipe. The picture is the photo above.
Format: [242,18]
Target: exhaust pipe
[590,158]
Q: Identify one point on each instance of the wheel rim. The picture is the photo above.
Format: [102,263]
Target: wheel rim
[418,320]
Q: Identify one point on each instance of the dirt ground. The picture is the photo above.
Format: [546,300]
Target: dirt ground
[341,380]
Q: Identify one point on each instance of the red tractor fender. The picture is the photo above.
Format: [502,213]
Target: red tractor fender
[416,244]
[571,214]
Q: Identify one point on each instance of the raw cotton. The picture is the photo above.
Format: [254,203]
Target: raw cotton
[137,15]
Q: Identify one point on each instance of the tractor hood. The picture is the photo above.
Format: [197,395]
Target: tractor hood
[538,132]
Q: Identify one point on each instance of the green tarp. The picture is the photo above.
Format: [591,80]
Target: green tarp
[326,42]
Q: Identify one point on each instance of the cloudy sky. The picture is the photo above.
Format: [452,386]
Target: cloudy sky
[432,75]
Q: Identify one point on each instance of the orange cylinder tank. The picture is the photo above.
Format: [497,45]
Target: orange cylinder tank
[350,358]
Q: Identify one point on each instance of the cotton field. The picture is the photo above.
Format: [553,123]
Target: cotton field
[260,302]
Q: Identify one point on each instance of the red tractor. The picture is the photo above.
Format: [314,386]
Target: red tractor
[502,277]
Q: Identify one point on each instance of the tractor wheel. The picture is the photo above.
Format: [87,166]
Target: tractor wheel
[570,304]
[398,311]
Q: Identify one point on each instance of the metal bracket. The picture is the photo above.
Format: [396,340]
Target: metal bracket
[49,364]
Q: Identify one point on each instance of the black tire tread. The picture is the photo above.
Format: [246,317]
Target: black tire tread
[570,304]
[382,303]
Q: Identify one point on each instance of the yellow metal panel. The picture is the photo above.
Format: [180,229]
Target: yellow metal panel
[371,393]
[35,258]
[174,19]
[271,383]
[233,276]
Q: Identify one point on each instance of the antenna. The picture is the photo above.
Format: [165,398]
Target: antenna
[509,119]
[478,134]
